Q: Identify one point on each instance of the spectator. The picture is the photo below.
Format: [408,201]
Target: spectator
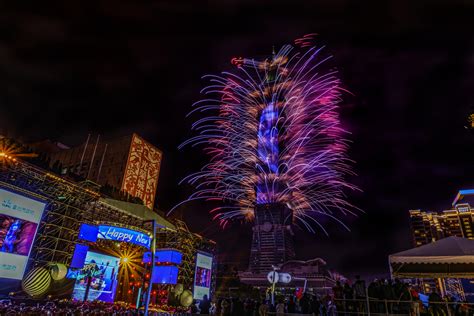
[213,308]
[348,298]
[225,308]
[280,308]
[360,294]
[434,305]
[237,307]
[263,309]
[305,304]
[338,292]
[315,304]
[204,305]
[291,306]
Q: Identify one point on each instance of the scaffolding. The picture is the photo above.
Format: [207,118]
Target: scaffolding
[67,206]
[70,204]
[188,243]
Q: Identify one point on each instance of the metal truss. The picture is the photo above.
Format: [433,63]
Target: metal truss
[68,205]
[188,244]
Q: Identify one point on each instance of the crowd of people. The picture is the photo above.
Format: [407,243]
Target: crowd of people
[394,297]
[379,297]
[72,308]
[255,307]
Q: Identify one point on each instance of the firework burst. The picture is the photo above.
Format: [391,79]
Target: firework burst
[273,135]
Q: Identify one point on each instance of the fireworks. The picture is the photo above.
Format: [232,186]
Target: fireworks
[273,135]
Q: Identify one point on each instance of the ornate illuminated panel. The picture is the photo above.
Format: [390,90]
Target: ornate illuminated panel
[142,171]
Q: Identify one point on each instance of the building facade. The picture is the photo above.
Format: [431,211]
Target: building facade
[428,226]
[272,240]
[128,163]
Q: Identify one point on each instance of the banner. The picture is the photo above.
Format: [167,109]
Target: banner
[19,220]
[202,276]
[124,235]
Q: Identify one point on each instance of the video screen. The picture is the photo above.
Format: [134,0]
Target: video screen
[102,270]
[202,276]
[19,220]
[16,235]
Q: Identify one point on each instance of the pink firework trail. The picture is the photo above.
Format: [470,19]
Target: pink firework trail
[273,135]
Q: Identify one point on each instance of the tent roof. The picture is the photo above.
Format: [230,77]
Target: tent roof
[138,210]
[447,250]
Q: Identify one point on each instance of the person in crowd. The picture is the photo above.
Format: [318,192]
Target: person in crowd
[435,307]
[348,293]
[248,307]
[280,308]
[305,304]
[405,299]
[360,293]
[263,309]
[315,305]
[291,305]
[463,309]
[237,307]
[416,302]
[388,295]
[338,294]
[204,306]
[225,308]
[213,308]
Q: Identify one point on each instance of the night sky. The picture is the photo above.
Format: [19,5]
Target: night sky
[69,68]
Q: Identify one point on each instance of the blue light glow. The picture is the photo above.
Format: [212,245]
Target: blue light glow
[267,148]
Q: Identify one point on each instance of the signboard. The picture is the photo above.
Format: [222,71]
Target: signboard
[202,276]
[141,173]
[19,220]
[124,235]
[91,233]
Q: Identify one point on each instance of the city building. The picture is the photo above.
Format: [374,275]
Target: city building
[272,240]
[429,226]
[129,164]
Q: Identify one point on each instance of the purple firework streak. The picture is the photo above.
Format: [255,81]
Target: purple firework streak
[273,136]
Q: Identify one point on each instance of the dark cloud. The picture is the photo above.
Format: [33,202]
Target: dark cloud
[74,67]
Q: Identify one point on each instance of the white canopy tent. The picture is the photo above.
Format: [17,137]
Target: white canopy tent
[451,257]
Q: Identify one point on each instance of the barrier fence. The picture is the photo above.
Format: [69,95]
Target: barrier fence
[376,307]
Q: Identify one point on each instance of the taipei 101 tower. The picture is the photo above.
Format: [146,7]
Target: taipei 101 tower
[278,156]
[272,242]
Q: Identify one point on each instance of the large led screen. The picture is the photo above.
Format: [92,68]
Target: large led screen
[202,276]
[19,220]
[103,272]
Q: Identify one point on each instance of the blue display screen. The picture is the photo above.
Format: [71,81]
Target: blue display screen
[124,235]
[168,256]
[165,275]
[79,256]
[88,232]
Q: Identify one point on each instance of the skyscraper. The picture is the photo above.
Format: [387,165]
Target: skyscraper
[272,240]
[278,153]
